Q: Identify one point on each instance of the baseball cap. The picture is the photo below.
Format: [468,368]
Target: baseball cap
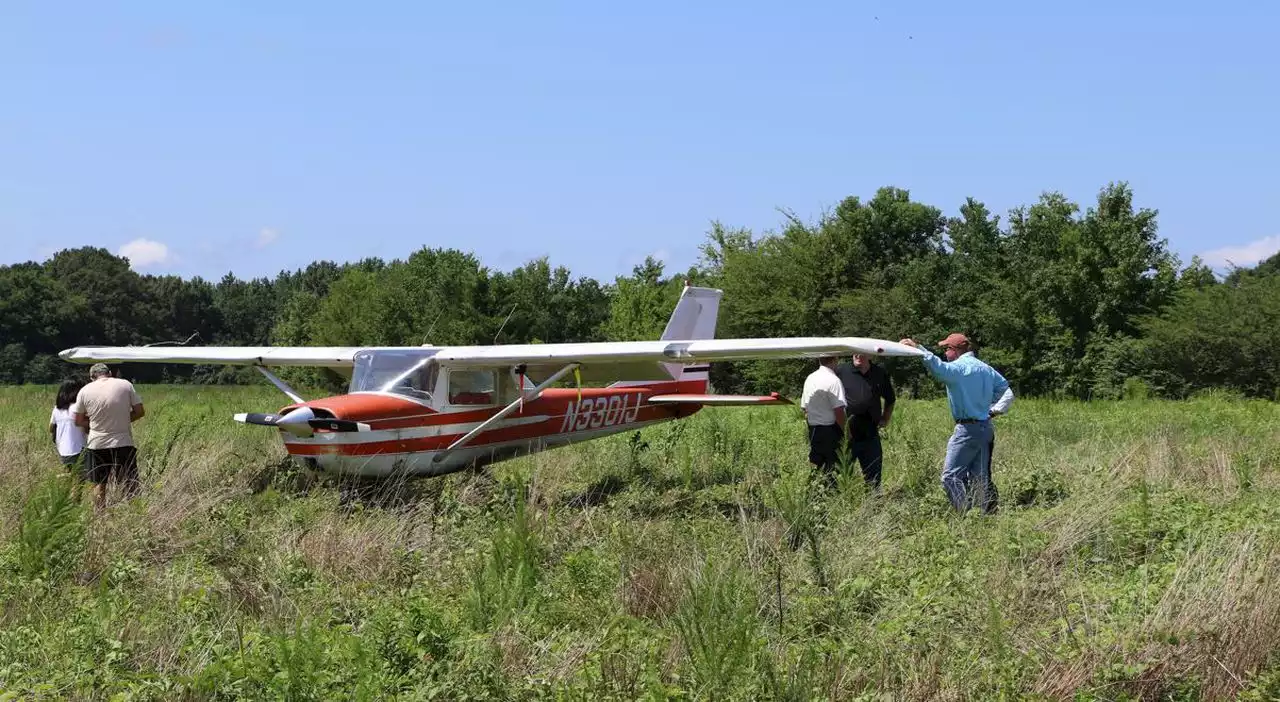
[99,369]
[953,340]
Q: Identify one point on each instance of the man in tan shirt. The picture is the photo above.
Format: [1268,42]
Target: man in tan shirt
[107,408]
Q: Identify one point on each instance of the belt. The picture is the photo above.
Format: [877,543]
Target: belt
[970,421]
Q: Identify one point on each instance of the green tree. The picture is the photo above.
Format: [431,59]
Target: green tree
[1268,267]
[1222,336]
[248,310]
[121,310]
[545,305]
[1196,276]
[642,303]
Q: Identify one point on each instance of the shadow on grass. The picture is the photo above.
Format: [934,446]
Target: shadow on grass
[597,493]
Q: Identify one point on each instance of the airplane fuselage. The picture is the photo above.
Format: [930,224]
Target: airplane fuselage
[406,438]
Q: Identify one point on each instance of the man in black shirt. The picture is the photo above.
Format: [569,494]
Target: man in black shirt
[865,385]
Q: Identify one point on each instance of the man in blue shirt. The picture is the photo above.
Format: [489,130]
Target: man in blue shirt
[972,388]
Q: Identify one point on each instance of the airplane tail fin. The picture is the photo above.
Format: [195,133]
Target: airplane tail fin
[693,318]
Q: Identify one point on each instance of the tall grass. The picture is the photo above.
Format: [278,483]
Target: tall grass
[1136,556]
[51,534]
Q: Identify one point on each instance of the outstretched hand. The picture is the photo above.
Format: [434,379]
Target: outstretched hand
[909,342]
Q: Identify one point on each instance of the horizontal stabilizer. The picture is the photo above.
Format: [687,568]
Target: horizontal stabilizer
[725,400]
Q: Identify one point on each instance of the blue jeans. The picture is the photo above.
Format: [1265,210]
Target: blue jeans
[968,452]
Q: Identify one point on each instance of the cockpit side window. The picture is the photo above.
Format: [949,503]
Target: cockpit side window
[471,387]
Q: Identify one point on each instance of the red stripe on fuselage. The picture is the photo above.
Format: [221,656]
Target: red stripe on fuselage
[585,419]
[384,412]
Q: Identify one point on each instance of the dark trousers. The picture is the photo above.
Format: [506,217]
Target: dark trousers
[865,448]
[120,463]
[824,447]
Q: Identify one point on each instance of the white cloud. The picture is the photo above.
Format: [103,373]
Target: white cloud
[266,237]
[634,260]
[145,252]
[1243,256]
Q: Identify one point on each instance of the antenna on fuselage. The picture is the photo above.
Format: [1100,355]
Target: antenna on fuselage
[196,335]
[426,340]
[504,322]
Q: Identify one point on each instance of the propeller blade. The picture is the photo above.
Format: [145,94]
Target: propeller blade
[258,418]
[300,422]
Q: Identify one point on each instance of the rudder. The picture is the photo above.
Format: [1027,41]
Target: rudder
[694,317]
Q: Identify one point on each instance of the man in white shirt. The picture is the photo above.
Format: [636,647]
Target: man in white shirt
[823,403]
[107,408]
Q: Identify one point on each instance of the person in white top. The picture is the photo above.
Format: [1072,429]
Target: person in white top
[107,408]
[823,403]
[67,436]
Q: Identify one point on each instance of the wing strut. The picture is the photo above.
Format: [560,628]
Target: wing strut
[536,393]
[284,387]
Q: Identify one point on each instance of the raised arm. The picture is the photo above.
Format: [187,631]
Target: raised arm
[939,368]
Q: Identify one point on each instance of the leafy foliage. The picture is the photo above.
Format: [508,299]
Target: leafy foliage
[1065,300]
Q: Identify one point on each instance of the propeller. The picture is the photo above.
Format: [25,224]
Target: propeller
[258,418]
[300,422]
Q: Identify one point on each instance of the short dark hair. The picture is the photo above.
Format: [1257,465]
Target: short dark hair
[67,393]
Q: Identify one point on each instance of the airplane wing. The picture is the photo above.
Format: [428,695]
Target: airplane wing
[322,356]
[598,361]
[641,360]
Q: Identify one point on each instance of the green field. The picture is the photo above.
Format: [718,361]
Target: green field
[1136,557]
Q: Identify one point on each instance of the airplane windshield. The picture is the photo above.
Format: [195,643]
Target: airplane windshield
[404,372]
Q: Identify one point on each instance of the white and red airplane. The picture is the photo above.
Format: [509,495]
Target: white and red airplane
[432,410]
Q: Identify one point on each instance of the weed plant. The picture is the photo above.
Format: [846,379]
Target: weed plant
[1136,555]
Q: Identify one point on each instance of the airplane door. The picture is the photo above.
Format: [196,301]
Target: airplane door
[472,388]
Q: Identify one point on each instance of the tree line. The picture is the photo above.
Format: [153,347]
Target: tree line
[1066,302]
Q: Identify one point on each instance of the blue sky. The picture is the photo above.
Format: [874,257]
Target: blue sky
[255,137]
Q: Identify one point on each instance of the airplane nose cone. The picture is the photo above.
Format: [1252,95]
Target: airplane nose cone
[295,421]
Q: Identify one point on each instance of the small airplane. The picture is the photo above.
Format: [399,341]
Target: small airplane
[431,410]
